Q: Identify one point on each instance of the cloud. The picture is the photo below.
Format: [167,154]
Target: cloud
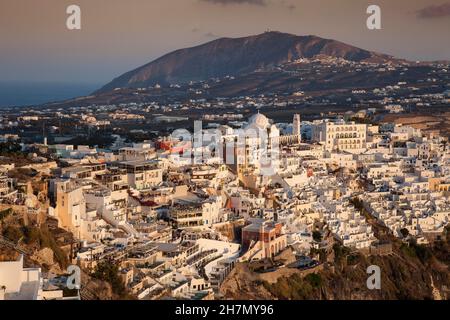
[225,2]
[282,3]
[434,11]
[211,35]
[291,7]
[288,5]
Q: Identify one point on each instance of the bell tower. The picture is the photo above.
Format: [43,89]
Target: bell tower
[296,127]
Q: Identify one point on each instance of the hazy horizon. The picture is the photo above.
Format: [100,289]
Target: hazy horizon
[25,93]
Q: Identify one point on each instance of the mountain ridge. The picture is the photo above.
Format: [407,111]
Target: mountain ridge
[234,56]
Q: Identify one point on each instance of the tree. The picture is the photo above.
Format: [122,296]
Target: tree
[314,280]
[404,232]
[110,273]
[317,236]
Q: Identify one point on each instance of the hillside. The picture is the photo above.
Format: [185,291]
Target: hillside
[48,247]
[410,272]
[236,56]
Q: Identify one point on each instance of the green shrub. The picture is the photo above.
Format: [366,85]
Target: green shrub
[110,273]
[404,232]
[353,259]
[12,233]
[317,236]
[422,252]
[5,213]
[294,287]
[340,252]
[408,250]
[31,235]
[314,279]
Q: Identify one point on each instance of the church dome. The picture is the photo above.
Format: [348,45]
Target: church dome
[259,120]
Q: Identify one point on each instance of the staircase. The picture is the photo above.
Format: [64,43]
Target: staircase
[86,294]
[6,242]
[123,225]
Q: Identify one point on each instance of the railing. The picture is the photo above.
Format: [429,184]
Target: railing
[14,246]
[200,256]
[87,294]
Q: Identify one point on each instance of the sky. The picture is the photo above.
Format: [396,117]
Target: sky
[120,35]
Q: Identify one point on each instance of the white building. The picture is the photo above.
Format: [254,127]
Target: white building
[340,135]
[19,283]
[142,175]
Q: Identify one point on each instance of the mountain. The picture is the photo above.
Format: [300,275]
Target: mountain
[236,56]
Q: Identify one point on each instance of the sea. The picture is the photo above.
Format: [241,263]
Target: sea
[17,94]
